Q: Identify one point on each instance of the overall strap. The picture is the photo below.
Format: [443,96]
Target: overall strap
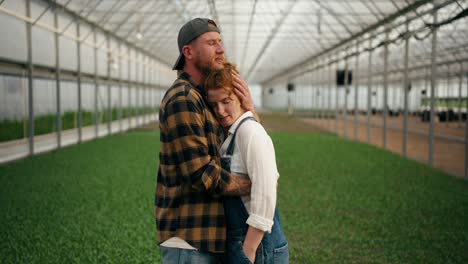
[230,149]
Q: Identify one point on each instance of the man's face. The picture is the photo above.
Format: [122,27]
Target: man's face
[208,52]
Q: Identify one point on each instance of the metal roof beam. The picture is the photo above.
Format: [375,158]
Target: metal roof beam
[270,38]
[105,31]
[371,28]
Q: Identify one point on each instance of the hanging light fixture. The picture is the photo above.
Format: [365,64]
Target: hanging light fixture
[112,62]
[139,34]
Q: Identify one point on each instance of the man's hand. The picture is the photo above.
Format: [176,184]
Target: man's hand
[242,91]
[238,186]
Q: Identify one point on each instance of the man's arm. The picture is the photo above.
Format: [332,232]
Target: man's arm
[189,151]
[237,187]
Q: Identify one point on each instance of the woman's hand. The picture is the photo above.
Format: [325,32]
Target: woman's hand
[252,241]
[249,252]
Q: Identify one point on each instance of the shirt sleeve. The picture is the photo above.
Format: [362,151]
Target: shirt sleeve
[258,154]
[190,147]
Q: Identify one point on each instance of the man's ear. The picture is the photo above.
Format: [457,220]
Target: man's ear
[187,51]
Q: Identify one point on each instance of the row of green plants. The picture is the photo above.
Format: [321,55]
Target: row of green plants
[44,124]
[339,201]
[446,102]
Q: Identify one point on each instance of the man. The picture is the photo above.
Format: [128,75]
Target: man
[189,211]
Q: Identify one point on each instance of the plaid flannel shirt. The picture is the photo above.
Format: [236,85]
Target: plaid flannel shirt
[190,178]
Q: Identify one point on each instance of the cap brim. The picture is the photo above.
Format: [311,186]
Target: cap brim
[179,63]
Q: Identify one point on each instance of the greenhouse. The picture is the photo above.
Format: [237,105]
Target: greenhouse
[365,101]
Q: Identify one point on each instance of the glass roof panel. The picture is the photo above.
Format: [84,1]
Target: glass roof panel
[268,37]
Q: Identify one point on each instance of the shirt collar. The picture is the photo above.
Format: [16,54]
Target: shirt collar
[233,127]
[185,76]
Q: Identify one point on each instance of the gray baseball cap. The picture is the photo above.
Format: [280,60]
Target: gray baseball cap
[190,31]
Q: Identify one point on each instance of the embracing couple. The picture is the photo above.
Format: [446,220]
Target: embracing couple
[216,187]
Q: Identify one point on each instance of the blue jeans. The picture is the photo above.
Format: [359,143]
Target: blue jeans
[272,250]
[187,256]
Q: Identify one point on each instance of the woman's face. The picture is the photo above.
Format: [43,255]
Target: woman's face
[227,107]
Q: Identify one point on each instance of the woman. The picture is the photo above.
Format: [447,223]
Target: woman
[254,233]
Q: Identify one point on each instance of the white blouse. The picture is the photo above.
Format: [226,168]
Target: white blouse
[254,155]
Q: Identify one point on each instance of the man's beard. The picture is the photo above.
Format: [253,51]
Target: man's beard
[205,68]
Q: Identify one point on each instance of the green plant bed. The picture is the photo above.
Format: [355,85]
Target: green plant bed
[11,130]
[14,129]
[45,124]
[339,202]
[88,118]
[446,102]
[69,120]
[344,202]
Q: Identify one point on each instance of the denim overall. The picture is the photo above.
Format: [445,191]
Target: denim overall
[272,249]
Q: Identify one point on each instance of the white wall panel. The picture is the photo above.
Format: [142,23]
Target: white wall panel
[14,42]
[123,62]
[133,68]
[115,52]
[16,6]
[278,99]
[102,54]
[87,97]
[87,51]
[125,100]
[68,47]
[68,96]
[44,97]
[13,97]
[43,40]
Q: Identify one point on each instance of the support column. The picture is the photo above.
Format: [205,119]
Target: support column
[96,86]
[129,75]
[356,68]
[385,93]
[323,89]
[460,84]
[433,88]
[336,96]
[447,96]
[57,80]
[109,106]
[119,113]
[330,84]
[144,66]
[346,86]
[138,88]
[30,82]
[466,131]
[369,93]
[78,60]
[406,85]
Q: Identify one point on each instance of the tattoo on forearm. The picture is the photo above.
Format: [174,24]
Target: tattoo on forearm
[238,187]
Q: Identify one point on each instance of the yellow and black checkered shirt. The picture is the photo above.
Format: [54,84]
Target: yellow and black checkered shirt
[190,177]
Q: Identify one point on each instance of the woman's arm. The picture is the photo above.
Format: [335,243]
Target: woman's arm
[258,155]
[252,240]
